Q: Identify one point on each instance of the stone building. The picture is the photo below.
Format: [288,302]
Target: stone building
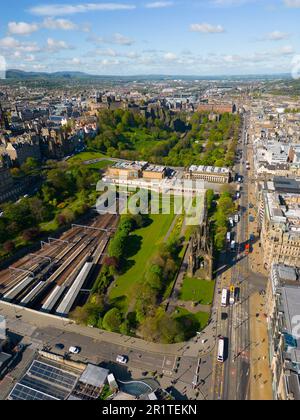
[280,228]
[6,184]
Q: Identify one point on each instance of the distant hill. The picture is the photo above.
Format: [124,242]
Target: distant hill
[19,74]
[75,75]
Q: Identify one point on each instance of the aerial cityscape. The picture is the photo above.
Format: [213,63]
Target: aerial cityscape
[150,202]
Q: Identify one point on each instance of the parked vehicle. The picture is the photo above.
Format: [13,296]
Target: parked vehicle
[247,249]
[123,360]
[59,346]
[74,350]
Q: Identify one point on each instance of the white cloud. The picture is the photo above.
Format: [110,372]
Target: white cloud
[121,39]
[109,52]
[109,63]
[276,36]
[54,46]
[207,28]
[60,24]
[16,47]
[292,3]
[9,42]
[159,4]
[76,61]
[117,39]
[68,9]
[286,50]
[22,28]
[29,58]
[170,56]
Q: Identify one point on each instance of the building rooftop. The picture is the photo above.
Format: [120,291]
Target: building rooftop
[286,185]
[130,165]
[291,310]
[94,375]
[155,168]
[4,358]
[209,169]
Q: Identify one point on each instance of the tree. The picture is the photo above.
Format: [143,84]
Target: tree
[30,165]
[30,234]
[80,315]
[66,217]
[37,209]
[112,320]
[9,247]
[162,328]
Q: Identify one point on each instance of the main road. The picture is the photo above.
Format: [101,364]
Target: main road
[231,379]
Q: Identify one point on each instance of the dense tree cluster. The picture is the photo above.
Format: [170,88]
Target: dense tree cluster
[167,138]
[64,196]
[219,210]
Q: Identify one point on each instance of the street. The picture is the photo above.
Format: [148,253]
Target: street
[231,379]
[174,367]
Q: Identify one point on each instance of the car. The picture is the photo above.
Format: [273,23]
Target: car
[224,316]
[74,350]
[123,360]
[59,346]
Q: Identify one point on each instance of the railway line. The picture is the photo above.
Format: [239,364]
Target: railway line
[43,280]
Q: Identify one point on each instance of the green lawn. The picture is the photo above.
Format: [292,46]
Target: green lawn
[100,165]
[191,322]
[82,157]
[197,291]
[142,245]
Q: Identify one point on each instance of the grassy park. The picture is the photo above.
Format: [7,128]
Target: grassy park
[191,322]
[195,290]
[85,156]
[142,244]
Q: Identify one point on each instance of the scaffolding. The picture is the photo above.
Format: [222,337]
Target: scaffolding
[20,270]
[92,228]
[57,240]
[41,257]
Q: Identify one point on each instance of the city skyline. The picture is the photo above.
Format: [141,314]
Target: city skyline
[216,37]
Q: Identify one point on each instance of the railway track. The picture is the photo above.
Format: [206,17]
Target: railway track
[60,260]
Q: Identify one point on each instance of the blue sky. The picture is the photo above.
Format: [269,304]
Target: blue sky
[128,37]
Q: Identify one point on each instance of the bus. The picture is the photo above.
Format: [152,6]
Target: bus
[224,300]
[221,349]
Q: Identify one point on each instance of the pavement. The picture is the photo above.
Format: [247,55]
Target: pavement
[260,372]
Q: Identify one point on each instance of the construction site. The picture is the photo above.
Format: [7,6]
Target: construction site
[61,274]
